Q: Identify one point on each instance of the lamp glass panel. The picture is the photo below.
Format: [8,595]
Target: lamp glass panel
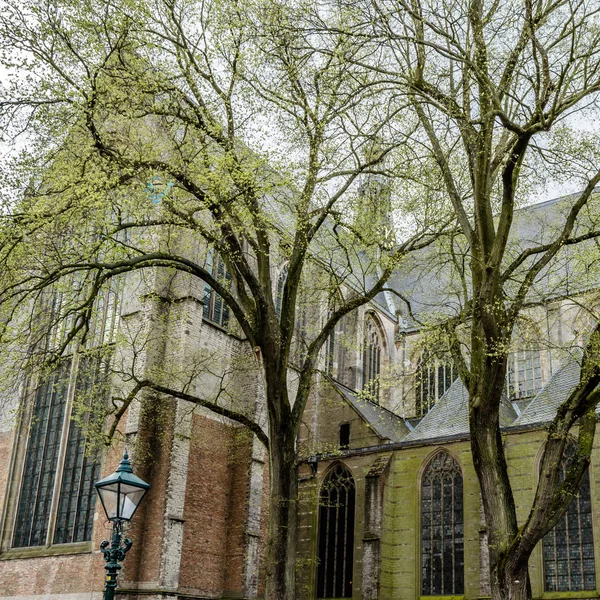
[130,501]
[109,495]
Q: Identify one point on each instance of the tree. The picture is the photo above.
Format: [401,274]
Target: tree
[501,91]
[251,131]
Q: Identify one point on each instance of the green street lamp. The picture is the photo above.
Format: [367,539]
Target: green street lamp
[120,494]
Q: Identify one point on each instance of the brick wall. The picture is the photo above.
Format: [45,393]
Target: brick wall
[151,463]
[216,498]
[239,465]
[52,575]
[264,530]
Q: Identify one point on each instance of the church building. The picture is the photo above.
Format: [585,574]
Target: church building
[389,503]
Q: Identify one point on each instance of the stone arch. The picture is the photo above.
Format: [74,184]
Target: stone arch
[442,525]
[335,539]
[374,349]
[568,557]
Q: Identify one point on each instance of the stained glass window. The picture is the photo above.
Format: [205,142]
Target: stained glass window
[56,498]
[330,348]
[39,473]
[568,549]
[371,362]
[215,310]
[434,377]
[442,531]
[330,353]
[336,534]
[77,498]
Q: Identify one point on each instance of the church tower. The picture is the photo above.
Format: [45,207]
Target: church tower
[373,211]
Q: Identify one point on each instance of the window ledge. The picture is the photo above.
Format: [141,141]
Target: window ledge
[40,551]
[576,594]
[446,597]
[228,331]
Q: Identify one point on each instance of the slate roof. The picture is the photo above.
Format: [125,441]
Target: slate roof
[450,416]
[385,424]
[542,408]
[432,284]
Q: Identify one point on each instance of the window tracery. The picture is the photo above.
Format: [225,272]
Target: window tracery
[336,534]
[568,549]
[57,470]
[434,378]
[442,529]
[56,498]
[524,374]
[371,359]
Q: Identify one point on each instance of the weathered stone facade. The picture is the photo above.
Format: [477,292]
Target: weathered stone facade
[201,531]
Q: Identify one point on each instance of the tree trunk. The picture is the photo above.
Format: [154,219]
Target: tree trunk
[509,576]
[281,549]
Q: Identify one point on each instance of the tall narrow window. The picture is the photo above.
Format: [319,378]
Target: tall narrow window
[330,353]
[56,498]
[434,377]
[568,549]
[442,532]
[524,374]
[371,358]
[39,473]
[330,348]
[279,290]
[336,535]
[75,498]
[215,310]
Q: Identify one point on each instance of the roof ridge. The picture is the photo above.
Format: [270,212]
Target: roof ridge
[551,201]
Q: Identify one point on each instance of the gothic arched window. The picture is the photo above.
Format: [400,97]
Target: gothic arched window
[568,549]
[330,348]
[371,358]
[434,377]
[442,531]
[56,500]
[336,534]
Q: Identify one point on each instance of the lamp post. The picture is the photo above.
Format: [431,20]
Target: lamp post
[120,494]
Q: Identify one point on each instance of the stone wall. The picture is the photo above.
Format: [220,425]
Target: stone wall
[399,543]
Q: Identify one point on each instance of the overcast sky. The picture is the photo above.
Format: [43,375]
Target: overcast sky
[553,188]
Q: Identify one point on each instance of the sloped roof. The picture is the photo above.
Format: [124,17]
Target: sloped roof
[450,415]
[385,424]
[542,408]
[430,280]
